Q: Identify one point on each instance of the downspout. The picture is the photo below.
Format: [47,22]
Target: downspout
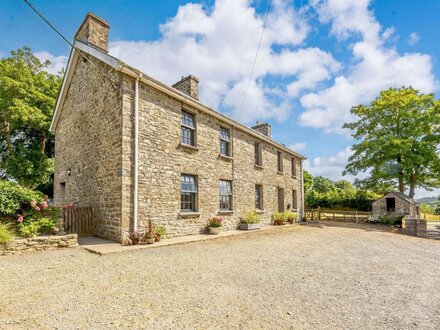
[302,190]
[136,153]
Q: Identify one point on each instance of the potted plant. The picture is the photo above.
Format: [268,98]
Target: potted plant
[149,236]
[215,225]
[160,232]
[251,220]
[278,218]
[135,237]
[291,216]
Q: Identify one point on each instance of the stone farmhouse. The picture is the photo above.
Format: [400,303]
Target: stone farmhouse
[133,147]
[396,204]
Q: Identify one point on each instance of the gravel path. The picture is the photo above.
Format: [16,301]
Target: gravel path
[323,276]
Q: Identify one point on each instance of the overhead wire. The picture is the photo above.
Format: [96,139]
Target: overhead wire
[35,10]
[255,60]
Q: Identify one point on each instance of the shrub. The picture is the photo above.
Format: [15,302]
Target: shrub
[215,222]
[279,218]
[5,234]
[291,216]
[251,217]
[15,198]
[39,219]
[160,230]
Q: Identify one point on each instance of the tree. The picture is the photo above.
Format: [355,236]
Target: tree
[398,137]
[27,99]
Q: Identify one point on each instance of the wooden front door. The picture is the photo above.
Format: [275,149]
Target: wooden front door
[280,200]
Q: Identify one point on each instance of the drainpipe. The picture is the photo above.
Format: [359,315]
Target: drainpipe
[136,152]
[302,190]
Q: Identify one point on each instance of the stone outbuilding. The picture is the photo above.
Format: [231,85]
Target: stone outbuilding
[132,147]
[396,204]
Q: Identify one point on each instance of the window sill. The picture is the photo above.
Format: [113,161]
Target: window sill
[259,211]
[258,167]
[188,147]
[280,173]
[189,214]
[225,157]
[225,212]
[294,177]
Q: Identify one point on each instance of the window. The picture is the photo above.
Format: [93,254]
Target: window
[225,188]
[188,128]
[391,204]
[280,161]
[293,167]
[280,200]
[225,142]
[258,160]
[294,200]
[258,196]
[188,193]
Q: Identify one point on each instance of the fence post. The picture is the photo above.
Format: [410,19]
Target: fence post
[319,213]
[356,216]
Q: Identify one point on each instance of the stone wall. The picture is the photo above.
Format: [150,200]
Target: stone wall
[402,207]
[39,243]
[162,159]
[415,227]
[88,143]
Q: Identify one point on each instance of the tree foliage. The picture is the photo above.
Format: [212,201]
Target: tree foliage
[398,138]
[325,193]
[27,100]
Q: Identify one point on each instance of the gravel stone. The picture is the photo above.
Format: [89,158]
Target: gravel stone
[321,276]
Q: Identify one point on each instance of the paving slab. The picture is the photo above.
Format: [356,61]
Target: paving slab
[104,247]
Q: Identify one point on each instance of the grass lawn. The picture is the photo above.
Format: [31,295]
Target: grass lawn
[431,217]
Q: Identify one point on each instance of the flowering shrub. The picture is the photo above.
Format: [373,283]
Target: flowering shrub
[251,217]
[39,219]
[15,198]
[215,222]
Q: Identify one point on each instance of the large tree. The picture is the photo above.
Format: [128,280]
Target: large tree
[27,99]
[398,138]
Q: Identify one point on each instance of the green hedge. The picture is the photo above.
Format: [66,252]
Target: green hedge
[13,198]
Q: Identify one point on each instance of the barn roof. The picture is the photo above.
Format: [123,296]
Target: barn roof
[402,196]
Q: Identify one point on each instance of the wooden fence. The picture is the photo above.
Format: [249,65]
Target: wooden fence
[79,220]
[336,215]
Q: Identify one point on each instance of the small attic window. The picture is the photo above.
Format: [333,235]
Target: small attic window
[391,204]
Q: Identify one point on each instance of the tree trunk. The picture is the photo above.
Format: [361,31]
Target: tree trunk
[42,143]
[412,189]
[400,176]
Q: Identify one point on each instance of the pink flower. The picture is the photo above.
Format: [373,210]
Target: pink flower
[37,208]
[32,203]
[20,219]
[46,197]
[44,205]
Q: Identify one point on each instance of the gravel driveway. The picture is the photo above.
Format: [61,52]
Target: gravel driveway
[323,276]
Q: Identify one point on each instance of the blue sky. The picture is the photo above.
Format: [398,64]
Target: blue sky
[317,59]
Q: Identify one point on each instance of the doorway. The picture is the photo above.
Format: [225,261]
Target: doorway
[280,199]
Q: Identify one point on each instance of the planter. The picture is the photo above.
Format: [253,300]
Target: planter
[135,241]
[158,237]
[250,226]
[150,240]
[215,230]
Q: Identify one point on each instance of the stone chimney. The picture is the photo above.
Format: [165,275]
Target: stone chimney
[263,128]
[93,32]
[188,85]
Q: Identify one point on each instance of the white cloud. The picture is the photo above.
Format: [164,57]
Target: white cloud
[413,38]
[299,146]
[330,167]
[57,63]
[376,66]
[218,44]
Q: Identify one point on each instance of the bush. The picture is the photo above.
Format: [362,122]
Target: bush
[279,218]
[15,198]
[291,216]
[251,217]
[5,234]
[160,230]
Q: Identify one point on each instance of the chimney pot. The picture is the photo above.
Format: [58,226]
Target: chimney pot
[94,32]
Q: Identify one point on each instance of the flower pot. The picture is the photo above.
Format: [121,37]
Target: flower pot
[158,237]
[215,230]
[250,226]
[150,240]
[135,241]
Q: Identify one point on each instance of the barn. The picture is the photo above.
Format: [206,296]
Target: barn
[396,204]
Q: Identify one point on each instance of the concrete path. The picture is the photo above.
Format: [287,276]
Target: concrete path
[104,247]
